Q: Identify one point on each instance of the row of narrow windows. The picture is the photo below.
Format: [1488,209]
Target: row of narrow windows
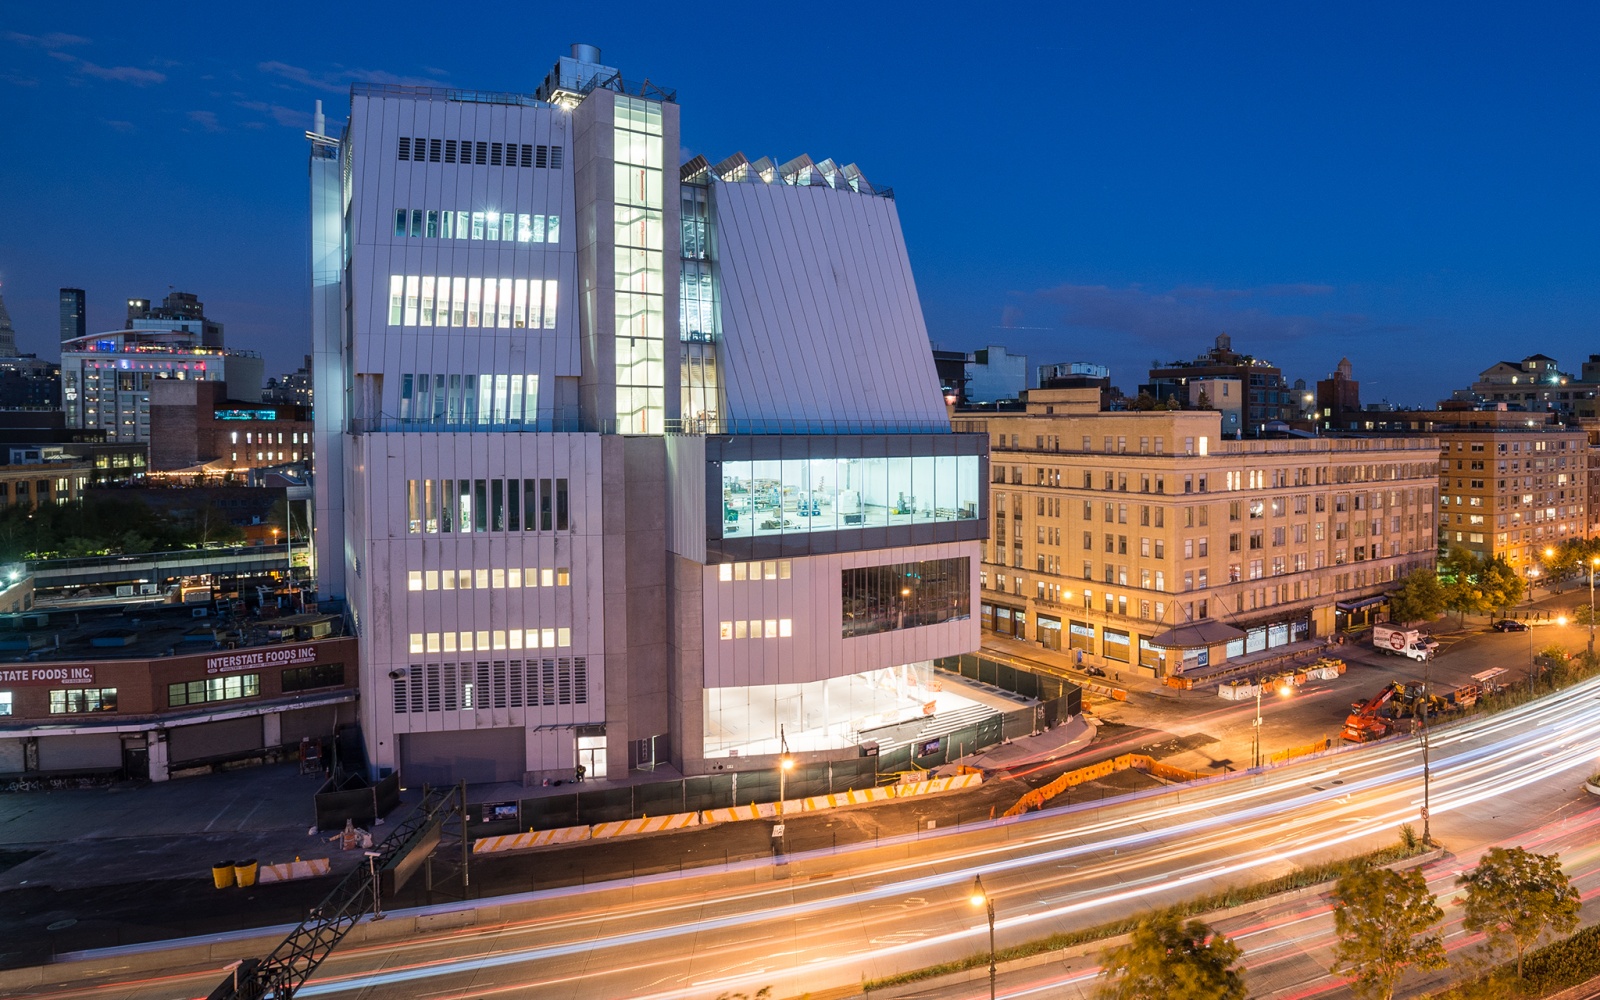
[757,628]
[438,300]
[417,149]
[466,642]
[499,226]
[450,687]
[437,398]
[488,579]
[464,506]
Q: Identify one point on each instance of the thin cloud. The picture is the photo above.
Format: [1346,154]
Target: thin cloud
[116,74]
[53,40]
[119,126]
[287,117]
[206,120]
[339,79]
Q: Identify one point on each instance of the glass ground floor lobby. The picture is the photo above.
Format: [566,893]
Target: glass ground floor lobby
[887,706]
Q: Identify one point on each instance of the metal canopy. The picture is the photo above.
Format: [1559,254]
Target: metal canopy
[1197,634]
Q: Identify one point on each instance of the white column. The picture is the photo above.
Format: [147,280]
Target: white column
[156,741]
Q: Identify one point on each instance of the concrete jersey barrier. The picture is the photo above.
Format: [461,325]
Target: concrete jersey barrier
[291,870]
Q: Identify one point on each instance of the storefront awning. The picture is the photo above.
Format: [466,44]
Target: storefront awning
[1358,605]
[1196,635]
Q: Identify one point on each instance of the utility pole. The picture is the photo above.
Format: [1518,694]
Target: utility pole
[1427,774]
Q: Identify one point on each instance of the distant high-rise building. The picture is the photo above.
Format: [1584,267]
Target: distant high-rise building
[293,387]
[1267,395]
[106,378]
[1536,383]
[1339,399]
[993,375]
[8,336]
[180,308]
[72,314]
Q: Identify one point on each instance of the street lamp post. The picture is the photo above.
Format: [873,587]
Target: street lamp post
[1592,564]
[1284,690]
[372,873]
[983,899]
[1427,774]
[1257,725]
[1533,661]
[785,764]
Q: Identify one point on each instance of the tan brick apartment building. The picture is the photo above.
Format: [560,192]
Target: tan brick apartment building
[1144,539]
[1510,483]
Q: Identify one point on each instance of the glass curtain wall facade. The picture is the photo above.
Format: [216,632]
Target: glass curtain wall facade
[832,714]
[699,320]
[905,595]
[774,497]
[640,273]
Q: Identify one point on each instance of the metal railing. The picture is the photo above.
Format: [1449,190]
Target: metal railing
[690,427]
[447,94]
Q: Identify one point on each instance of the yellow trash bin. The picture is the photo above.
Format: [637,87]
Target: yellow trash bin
[222,874]
[245,873]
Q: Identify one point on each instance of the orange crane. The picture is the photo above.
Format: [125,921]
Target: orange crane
[1364,724]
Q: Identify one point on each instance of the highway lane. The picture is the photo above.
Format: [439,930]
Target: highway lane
[832,919]
[1288,947]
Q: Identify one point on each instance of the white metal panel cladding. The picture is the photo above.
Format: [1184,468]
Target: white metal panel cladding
[384,184]
[82,752]
[811,599]
[474,755]
[686,496]
[821,320]
[11,757]
[213,739]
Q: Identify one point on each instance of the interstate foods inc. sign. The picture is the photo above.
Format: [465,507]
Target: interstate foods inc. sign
[255,659]
[23,676]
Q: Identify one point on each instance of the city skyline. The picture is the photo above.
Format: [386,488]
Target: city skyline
[1317,185]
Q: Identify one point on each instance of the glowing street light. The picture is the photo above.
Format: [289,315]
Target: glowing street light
[1285,689]
[983,899]
[785,765]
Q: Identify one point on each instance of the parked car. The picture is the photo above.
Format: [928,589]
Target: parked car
[1507,625]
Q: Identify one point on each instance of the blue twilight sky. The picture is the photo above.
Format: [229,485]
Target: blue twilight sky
[1411,185]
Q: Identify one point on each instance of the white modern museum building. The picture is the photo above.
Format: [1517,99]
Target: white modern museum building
[623,460]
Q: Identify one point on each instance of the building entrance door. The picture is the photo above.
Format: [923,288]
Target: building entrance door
[592,751]
[136,760]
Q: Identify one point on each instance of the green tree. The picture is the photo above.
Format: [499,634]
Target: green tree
[1514,896]
[1383,920]
[1144,401]
[1420,598]
[1165,959]
[1459,572]
[1501,583]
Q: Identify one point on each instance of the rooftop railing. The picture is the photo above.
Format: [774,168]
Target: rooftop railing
[447,94]
[390,425]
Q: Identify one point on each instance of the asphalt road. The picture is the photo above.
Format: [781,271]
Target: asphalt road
[833,918]
[1221,730]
